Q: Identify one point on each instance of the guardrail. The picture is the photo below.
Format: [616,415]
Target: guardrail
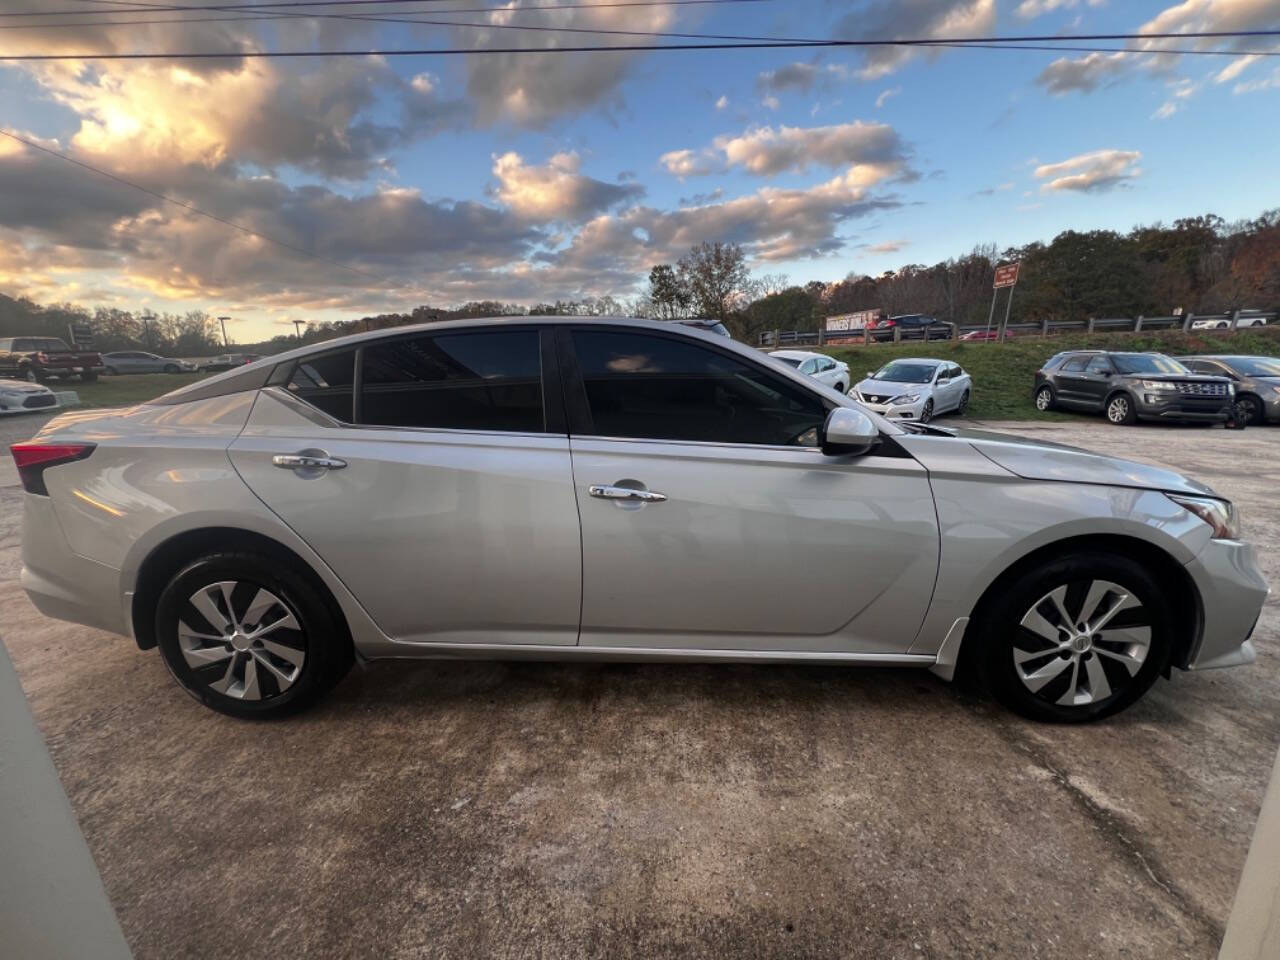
[1206,323]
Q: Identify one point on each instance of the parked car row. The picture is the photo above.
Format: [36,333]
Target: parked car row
[1128,387]
[139,361]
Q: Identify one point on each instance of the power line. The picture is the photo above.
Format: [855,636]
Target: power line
[636,47]
[236,7]
[192,208]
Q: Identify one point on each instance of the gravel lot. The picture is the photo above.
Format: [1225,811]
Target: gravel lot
[527,810]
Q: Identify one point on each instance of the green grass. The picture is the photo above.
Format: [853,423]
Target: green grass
[125,390]
[1003,373]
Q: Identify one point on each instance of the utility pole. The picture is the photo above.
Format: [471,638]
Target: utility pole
[297,329]
[223,321]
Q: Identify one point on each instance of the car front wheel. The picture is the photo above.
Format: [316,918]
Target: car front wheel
[963,408]
[1248,410]
[249,637]
[1076,638]
[1120,410]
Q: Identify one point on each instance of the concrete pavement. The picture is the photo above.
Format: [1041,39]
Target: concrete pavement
[523,810]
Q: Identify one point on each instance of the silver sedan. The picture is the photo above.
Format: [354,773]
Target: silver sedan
[613,490]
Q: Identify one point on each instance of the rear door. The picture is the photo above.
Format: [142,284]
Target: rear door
[711,520]
[1096,383]
[1069,384]
[437,482]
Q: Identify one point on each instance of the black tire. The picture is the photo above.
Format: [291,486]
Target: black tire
[1120,410]
[171,368]
[32,374]
[840,387]
[963,408]
[1044,398]
[111,371]
[1000,633]
[1249,410]
[926,413]
[321,638]
[89,376]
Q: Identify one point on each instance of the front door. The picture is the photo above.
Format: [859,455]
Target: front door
[443,498]
[710,520]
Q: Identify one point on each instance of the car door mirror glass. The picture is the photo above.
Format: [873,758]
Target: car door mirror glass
[848,431]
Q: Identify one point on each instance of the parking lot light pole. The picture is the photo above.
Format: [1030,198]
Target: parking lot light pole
[223,321]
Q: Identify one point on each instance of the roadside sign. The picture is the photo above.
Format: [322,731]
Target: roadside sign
[852,321]
[1007,275]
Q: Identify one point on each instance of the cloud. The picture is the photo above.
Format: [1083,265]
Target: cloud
[1095,172]
[873,152]
[556,192]
[1029,9]
[897,20]
[1085,74]
[886,95]
[889,246]
[722,103]
[799,77]
[1235,68]
[1270,82]
[998,188]
[530,90]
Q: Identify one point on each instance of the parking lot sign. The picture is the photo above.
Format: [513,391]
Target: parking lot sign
[1007,275]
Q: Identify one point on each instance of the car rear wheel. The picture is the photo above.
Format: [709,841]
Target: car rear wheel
[170,368]
[1120,410]
[249,637]
[111,371]
[1076,638]
[1248,410]
[1044,398]
[32,375]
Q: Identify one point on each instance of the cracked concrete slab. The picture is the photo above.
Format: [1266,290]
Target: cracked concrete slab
[523,810]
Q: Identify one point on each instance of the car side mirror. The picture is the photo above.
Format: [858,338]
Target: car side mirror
[848,432]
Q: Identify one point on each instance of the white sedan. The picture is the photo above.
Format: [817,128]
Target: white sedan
[822,368]
[19,396]
[915,389]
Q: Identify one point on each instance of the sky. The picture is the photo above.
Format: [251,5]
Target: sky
[397,181]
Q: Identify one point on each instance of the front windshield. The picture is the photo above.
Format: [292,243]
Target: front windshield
[789,361]
[1147,363]
[901,371]
[1255,366]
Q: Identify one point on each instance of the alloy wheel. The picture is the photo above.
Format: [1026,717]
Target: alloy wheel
[1247,411]
[1044,399]
[1118,410]
[241,640]
[1082,643]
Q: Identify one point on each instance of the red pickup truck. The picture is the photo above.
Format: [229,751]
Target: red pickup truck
[39,358]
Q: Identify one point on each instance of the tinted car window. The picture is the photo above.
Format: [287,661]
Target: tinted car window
[650,387]
[1075,365]
[902,371]
[1099,365]
[464,381]
[1147,363]
[325,382]
[1255,366]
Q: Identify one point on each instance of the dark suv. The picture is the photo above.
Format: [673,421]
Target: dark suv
[1132,386]
[913,326]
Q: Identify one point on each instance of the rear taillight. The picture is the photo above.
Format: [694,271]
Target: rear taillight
[33,459]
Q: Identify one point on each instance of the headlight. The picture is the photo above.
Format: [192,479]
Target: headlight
[904,399]
[1158,385]
[1220,515]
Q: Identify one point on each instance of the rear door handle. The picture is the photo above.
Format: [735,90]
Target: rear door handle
[607,492]
[307,461]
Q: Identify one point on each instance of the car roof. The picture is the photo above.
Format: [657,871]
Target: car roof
[918,360]
[795,354]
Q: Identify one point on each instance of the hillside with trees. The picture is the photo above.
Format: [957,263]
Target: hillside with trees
[1201,264]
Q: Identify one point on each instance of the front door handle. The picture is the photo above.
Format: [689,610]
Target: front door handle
[604,491]
[307,461]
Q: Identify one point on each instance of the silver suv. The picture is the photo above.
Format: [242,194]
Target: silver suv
[564,488]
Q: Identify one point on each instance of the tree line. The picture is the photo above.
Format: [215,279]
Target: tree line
[1199,264]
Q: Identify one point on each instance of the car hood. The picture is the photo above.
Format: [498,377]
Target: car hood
[891,388]
[22,386]
[1043,460]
